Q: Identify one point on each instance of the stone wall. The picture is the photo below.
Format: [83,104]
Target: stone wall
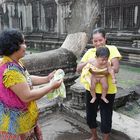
[129,46]
[130,54]
[50,16]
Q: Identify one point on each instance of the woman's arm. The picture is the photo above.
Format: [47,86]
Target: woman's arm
[38,80]
[80,66]
[112,73]
[115,64]
[23,91]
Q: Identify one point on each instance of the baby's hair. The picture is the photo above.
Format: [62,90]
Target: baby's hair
[102,52]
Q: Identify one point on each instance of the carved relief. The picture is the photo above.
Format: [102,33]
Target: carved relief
[63,14]
[50,10]
[136,44]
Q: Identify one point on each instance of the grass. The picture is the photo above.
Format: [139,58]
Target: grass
[130,68]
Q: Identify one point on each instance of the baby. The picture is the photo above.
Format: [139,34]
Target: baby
[99,67]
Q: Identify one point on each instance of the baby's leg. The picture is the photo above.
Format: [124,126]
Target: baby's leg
[104,83]
[92,88]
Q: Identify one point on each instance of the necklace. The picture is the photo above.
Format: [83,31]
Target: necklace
[20,65]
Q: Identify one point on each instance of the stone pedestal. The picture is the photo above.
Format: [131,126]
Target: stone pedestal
[78,96]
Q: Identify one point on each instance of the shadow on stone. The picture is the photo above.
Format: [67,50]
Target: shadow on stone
[117,135]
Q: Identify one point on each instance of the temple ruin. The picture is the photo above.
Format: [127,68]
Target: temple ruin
[46,24]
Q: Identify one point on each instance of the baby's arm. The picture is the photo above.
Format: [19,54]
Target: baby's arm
[97,71]
[112,73]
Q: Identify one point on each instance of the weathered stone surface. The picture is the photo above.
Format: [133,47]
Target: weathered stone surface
[75,43]
[127,125]
[78,96]
[47,61]
[83,16]
[130,56]
[137,89]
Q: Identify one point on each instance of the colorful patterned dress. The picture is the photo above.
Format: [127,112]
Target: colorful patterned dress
[16,116]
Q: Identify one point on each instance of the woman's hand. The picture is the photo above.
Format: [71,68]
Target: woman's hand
[114,81]
[82,64]
[50,76]
[56,84]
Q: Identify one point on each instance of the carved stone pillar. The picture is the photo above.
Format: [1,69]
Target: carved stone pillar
[78,96]
[36,15]
[63,14]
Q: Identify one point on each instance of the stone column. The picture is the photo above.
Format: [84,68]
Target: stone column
[58,18]
[0,23]
[78,96]
[63,14]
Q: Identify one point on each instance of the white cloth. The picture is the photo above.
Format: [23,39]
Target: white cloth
[61,91]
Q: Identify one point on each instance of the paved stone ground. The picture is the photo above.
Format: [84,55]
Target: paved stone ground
[58,126]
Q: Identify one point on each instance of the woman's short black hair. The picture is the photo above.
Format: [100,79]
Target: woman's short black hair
[10,41]
[102,52]
[99,30]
